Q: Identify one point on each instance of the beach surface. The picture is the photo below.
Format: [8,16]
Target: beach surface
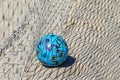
[91,29]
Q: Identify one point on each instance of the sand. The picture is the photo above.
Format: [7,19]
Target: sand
[90,27]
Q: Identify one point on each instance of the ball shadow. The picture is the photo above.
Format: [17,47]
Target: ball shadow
[69,62]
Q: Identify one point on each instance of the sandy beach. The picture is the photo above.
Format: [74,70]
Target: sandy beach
[90,27]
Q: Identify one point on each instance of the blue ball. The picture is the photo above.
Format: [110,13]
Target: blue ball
[52,50]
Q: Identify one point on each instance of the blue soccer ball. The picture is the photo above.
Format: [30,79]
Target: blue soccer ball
[52,50]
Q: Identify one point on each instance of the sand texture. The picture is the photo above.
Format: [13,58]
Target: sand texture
[90,27]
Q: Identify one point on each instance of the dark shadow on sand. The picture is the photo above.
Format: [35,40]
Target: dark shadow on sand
[69,62]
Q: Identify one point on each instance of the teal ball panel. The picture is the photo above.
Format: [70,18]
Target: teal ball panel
[52,50]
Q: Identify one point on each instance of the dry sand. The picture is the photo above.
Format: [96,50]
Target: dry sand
[90,27]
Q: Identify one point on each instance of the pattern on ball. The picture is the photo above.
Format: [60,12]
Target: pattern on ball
[52,50]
